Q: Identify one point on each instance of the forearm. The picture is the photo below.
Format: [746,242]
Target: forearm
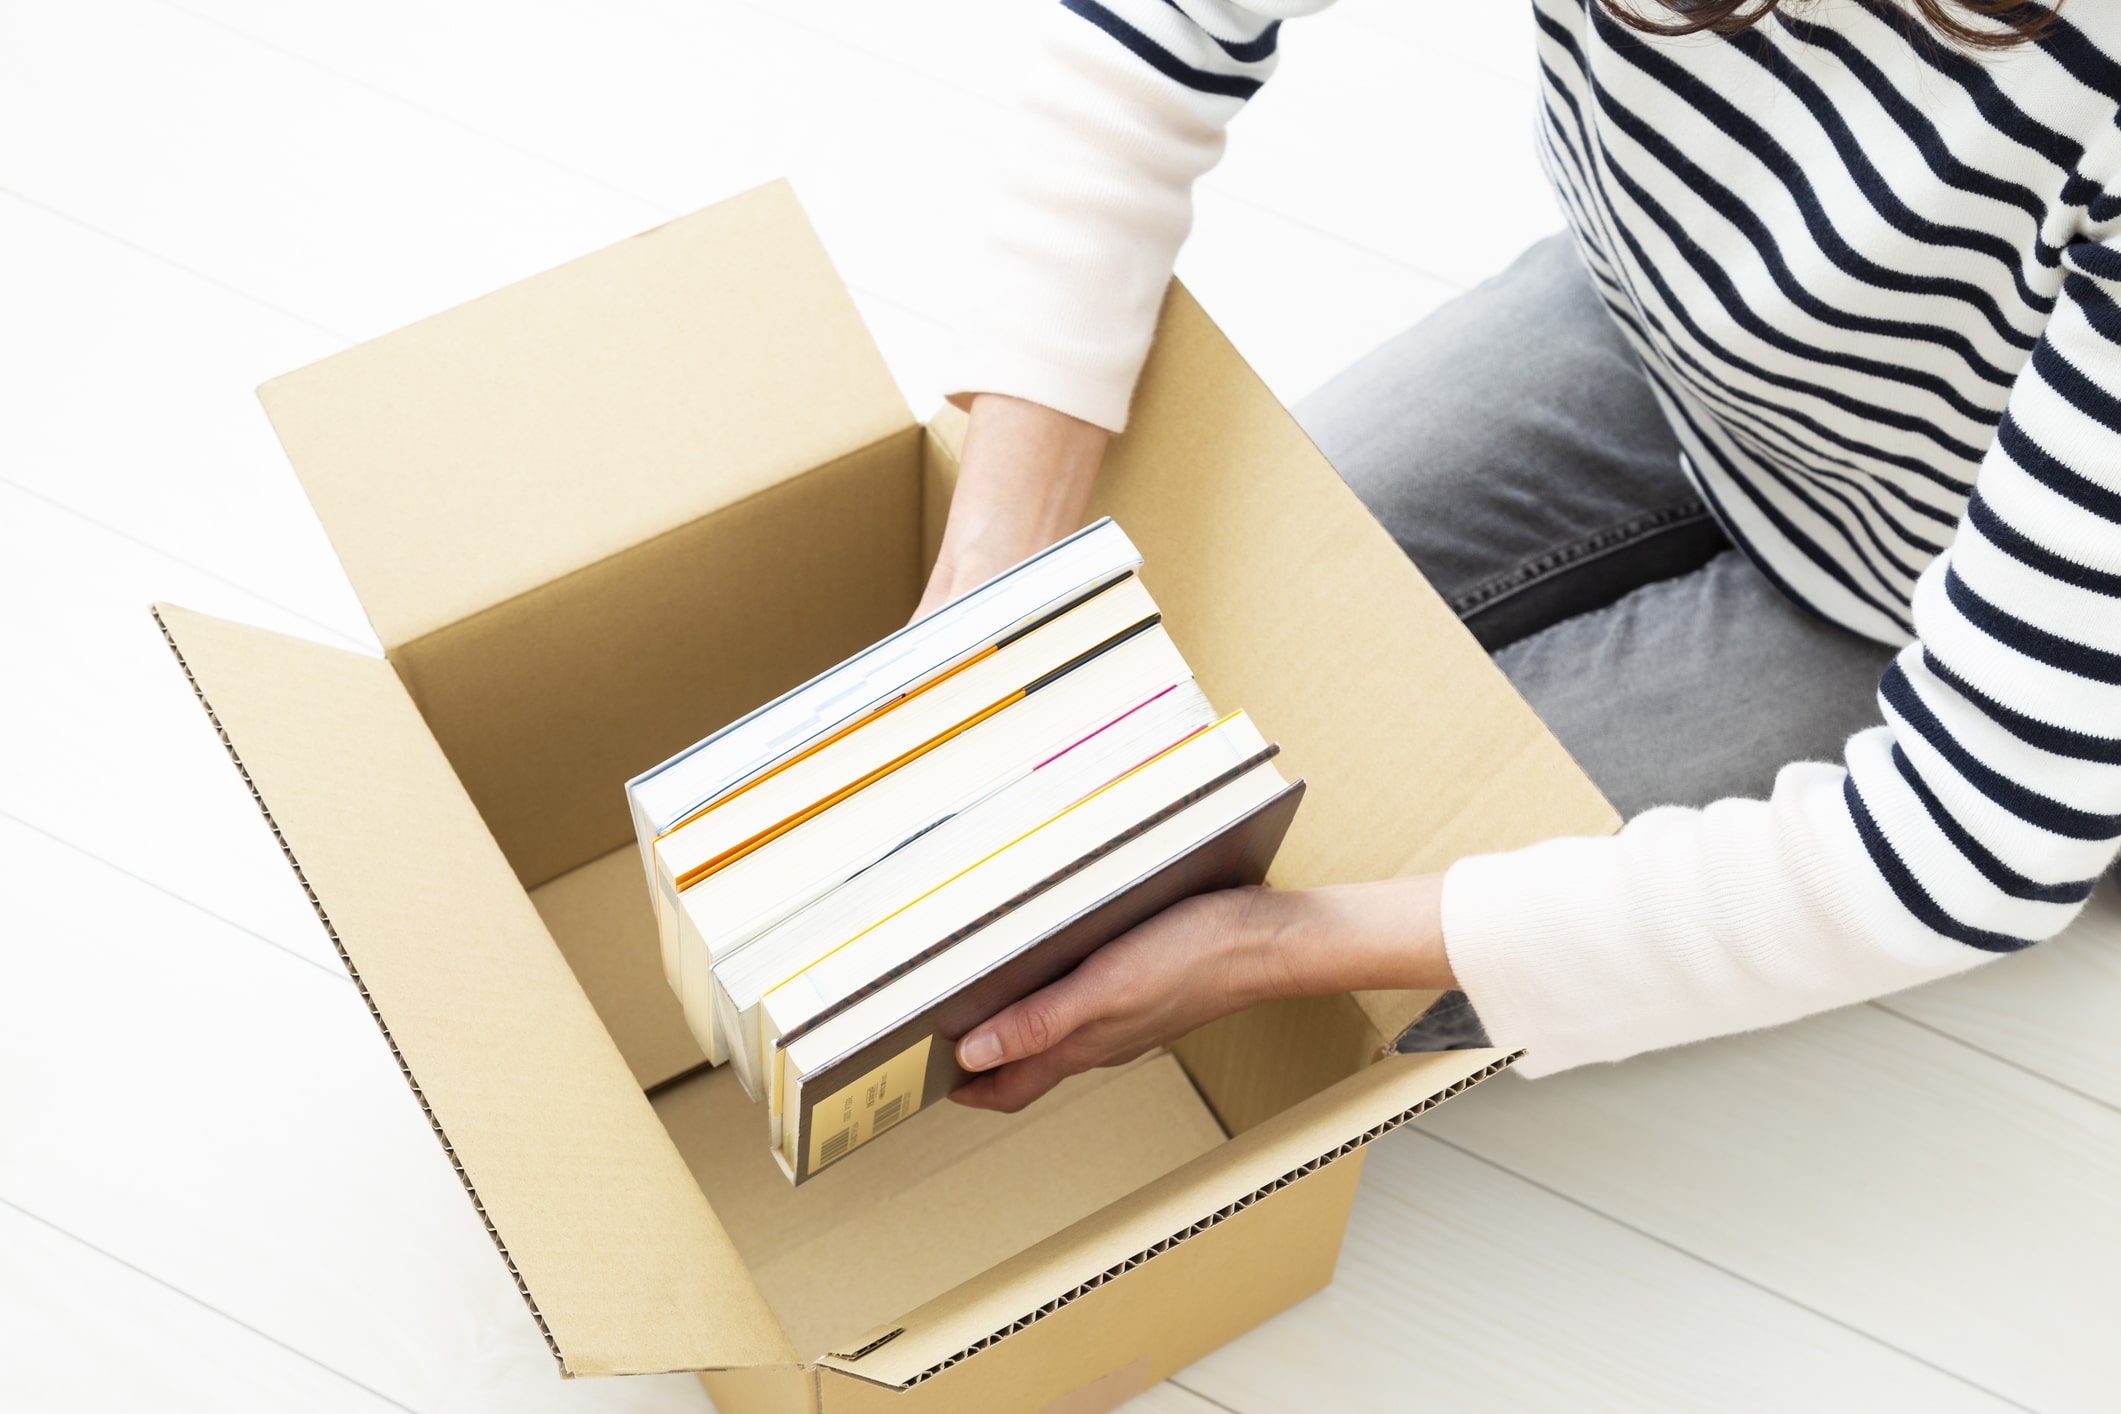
[1386,935]
[1119,115]
[1024,481]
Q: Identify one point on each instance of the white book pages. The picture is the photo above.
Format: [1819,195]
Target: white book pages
[927,862]
[892,737]
[664,795]
[747,958]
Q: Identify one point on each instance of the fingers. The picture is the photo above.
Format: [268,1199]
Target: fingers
[1013,1086]
[1017,1084]
[1034,1025]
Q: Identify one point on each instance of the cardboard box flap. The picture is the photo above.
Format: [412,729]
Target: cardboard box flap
[1291,601]
[622,1261]
[1161,1215]
[493,448]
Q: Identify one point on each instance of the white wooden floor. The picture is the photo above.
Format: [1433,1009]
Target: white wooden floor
[214,1191]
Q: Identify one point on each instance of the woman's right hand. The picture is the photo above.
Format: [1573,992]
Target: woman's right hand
[1023,482]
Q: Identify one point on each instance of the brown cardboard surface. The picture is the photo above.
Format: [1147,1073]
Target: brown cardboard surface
[951,1194]
[1105,1393]
[599,513]
[615,1248]
[1286,1052]
[600,917]
[781,1389]
[1167,1312]
[1274,580]
[493,448]
[546,704]
[1281,1153]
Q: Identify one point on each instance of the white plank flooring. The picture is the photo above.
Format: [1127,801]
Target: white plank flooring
[214,1192]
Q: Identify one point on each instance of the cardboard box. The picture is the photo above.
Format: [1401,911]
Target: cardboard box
[598,513]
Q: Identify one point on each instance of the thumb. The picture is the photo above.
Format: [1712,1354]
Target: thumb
[1037,1023]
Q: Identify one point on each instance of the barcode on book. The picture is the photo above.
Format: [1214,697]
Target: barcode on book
[856,1113]
[836,1146]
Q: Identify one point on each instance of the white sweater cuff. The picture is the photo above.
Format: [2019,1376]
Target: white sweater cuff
[1688,924]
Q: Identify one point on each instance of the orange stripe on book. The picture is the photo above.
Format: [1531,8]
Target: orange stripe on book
[765,837]
[1189,736]
[856,725]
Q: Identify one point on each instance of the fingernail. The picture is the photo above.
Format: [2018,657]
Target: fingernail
[979,1051]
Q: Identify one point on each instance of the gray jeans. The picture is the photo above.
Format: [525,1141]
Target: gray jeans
[1511,445]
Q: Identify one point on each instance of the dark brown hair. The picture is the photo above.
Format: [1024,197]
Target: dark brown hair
[2021,22]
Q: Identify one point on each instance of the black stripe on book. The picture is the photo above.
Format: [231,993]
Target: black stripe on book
[1000,910]
[1993,869]
[2020,800]
[1909,890]
[1076,603]
[2062,741]
[1131,631]
[1159,58]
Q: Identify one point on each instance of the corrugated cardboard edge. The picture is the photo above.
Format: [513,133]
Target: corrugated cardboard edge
[845,1363]
[631,1269]
[375,1014]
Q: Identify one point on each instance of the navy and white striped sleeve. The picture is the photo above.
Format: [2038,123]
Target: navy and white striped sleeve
[1992,801]
[1122,111]
[1973,823]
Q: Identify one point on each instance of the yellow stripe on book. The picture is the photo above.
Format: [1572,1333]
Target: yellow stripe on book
[809,751]
[1188,737]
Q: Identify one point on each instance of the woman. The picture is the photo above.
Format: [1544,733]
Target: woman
[1803,445]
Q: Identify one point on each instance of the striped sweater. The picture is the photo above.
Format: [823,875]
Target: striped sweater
[1876,286]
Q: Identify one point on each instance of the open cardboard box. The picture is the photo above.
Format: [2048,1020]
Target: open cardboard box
[596,514]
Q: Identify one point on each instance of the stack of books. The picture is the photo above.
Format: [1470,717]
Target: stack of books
[854,875]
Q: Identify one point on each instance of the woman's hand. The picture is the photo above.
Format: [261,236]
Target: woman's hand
[1023,482]
[1200,959]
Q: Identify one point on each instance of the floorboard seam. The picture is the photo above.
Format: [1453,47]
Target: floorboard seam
[173,895]
[1730,1272]
[142,1272]
[2021,1067]
[1206,1398]
[240,293]
[343,638]
[544,159]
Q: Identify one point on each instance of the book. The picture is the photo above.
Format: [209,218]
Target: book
[665,795]
[943,823]
[1001,701]
[1143,672]
[837,1072]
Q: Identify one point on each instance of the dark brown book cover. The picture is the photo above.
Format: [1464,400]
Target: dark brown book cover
[1239,853]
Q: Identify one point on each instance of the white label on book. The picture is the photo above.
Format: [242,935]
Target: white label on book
[843,1122]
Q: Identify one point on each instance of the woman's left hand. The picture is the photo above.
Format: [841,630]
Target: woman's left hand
[1200,959]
